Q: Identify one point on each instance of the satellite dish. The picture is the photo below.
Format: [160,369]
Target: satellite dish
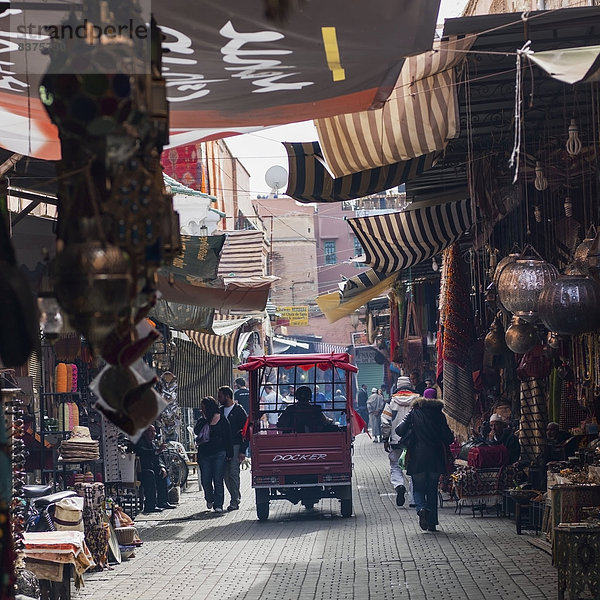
[276,178]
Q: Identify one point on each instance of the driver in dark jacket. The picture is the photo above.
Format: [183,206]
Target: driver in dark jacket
[427,436]
[304,417]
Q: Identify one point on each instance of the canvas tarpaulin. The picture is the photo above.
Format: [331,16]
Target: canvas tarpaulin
[229,69]
[570,65]
[310,181]
[355,292]
[419,117]
[399,240]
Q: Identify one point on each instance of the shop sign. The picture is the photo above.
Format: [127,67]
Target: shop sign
[294,315]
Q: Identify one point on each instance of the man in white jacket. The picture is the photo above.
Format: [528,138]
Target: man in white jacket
[392,415]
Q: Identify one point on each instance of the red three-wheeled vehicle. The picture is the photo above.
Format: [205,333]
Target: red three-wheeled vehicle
[301,463]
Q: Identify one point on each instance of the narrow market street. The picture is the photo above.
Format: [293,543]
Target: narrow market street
[380,553]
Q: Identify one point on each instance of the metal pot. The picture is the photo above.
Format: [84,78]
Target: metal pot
[520,336]
[520,284]
[569,305]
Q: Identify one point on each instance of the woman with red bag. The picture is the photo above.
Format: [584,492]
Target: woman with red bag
[427,435]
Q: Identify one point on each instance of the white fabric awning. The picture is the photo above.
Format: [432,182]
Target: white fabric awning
[570,65]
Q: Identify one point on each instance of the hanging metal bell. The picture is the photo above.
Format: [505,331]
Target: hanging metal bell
[520,336]
[569,305]
[520,284]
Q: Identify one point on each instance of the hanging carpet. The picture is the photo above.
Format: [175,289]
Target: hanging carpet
[534,417]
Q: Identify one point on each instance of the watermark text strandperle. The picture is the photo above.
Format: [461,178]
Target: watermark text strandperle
[84,30]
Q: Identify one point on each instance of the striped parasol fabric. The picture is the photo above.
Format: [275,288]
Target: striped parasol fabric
[216,345]
[419,117]
[242,254]
[399,240]
[310,181]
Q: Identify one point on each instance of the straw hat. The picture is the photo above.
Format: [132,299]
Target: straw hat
[80,435]
[68,514]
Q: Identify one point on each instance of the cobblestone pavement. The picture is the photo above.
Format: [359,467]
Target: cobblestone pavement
[378,554]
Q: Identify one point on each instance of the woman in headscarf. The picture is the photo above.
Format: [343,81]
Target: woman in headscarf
[427,436]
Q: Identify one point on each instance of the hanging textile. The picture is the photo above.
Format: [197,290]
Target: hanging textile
[399,240]
[198,262]
[457,337]
[571,412]
[534,418]
[198,373]
[183,316]
[420,116]
[310,181]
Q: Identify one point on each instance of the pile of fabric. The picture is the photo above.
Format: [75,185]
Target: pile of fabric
[47,552]
[80,446]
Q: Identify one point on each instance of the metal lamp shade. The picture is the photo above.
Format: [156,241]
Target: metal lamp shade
[520,284]
[570,305]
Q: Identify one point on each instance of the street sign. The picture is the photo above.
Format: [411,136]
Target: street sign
[294,315]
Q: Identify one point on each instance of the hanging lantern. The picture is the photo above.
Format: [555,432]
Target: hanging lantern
[541,183]
[494,340]
[507,260]
[520,336]
[573,145]
[582,251]
[520,285]
[569,304]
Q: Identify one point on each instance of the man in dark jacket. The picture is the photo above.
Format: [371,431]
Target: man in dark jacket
[153,474]
[236,415]
[427,436]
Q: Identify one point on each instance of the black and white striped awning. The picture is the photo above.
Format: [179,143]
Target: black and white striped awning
[310,181]
[399,240]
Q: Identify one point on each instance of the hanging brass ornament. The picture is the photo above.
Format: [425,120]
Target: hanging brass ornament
[520,284]
[494,340]
[569,304]
[520,336]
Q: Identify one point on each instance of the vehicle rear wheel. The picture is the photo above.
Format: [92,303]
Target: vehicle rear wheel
[346,508]
[262,504]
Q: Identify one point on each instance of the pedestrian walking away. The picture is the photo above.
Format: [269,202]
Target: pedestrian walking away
[392,415]
[425,433]
[215,449]
[375,405]
[236,416]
